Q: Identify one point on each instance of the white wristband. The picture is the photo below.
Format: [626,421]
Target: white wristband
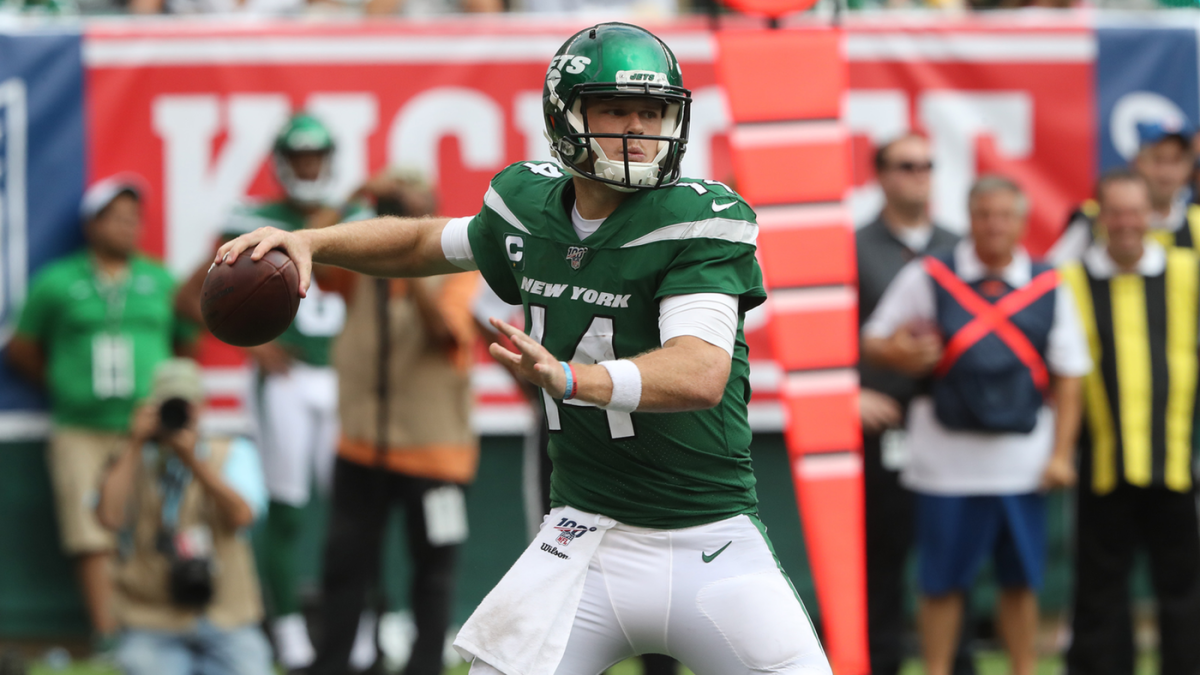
[456,244]
[626,385]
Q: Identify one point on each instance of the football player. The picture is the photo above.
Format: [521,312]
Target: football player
[634,283]
[294,401]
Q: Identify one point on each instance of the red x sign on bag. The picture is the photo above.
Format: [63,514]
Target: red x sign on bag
[992,318]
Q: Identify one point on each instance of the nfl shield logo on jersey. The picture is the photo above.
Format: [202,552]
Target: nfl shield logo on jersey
[569,531]
[575,255]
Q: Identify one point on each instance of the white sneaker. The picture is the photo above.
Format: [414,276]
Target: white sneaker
[396,634]
[363,654]
[293,648]
[451,659]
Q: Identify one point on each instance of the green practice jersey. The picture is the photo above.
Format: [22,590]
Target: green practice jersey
[102,340]
[321,314]
[598,299]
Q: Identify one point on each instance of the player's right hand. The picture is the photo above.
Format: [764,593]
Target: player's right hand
[534,364]
[258,242]
[915,353]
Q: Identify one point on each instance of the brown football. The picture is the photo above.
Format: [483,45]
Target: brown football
[250,303]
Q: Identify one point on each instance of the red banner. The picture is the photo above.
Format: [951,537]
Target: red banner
[194,109]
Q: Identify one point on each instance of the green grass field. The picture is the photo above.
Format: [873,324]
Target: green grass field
[989,663]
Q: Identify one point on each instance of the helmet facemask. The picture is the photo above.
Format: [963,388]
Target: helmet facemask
[314,192]
[580,142]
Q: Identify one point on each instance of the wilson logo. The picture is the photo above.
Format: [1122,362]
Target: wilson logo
[554,552]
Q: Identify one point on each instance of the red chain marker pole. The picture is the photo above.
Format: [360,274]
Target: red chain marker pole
[791,157]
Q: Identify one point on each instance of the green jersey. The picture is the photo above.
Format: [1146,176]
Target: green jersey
[321,314]
[598,299]
[102,339]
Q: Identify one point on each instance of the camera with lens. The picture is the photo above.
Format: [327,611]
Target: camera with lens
[190,578]
[173,414]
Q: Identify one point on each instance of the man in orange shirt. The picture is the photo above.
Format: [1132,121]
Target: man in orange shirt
[403,362]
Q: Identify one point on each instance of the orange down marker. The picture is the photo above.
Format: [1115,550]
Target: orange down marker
[791,158]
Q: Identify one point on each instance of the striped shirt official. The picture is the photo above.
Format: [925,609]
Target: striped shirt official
[1140,400]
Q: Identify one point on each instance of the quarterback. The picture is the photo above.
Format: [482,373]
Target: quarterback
[634,283]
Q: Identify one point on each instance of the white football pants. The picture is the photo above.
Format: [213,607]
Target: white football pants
[711,596]
[296,424]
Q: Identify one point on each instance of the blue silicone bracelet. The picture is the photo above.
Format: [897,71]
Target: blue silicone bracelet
[569,390]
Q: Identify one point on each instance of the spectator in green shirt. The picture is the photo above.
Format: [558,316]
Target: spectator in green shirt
[94,326]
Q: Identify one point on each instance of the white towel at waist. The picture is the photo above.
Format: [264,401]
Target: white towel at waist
[522,626]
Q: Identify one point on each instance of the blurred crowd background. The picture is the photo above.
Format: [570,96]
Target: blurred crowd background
[436,325]
[642,9]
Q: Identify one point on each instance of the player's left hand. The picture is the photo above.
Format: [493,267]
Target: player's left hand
[534,364]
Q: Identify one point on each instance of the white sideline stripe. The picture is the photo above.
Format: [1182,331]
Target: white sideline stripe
[820,383]
[491,378]
[512,419]
[725,229]
[823,466]
[494,202]
[803,215]
[812,299]
[226,423]
[491,420]
[267,49]
[974,47]
[768,417]
[765,376]
[24,426]
[234,381]
[787,133]
[100,51]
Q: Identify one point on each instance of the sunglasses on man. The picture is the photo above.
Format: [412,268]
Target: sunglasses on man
[911,167]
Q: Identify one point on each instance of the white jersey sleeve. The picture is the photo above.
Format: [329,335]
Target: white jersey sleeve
[712,317]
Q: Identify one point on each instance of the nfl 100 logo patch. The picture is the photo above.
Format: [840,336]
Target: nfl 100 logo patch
[575,255]
[569,531]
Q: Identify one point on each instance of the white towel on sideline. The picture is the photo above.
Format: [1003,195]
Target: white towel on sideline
[522,626]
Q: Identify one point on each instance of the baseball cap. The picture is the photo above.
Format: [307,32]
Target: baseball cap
[1150,133]
[102,193]
[177,378]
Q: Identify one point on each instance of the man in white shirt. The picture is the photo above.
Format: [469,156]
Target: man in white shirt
[1001,342]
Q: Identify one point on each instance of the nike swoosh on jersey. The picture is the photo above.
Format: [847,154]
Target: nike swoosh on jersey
[721,207]
[709,558]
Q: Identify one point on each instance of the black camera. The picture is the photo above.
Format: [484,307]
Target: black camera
[173,414]
[191,582]
[189,579]
[391,206]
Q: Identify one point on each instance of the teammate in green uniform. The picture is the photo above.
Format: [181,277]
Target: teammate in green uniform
[94,326]
[634,283]
[294,401]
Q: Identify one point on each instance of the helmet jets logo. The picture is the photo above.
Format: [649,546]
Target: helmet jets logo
[572,64]
[640,77]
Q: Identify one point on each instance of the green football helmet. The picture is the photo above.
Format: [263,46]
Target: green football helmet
[304,133]
[615,60]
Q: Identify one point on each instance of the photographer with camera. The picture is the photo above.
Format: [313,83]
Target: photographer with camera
[186,592]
